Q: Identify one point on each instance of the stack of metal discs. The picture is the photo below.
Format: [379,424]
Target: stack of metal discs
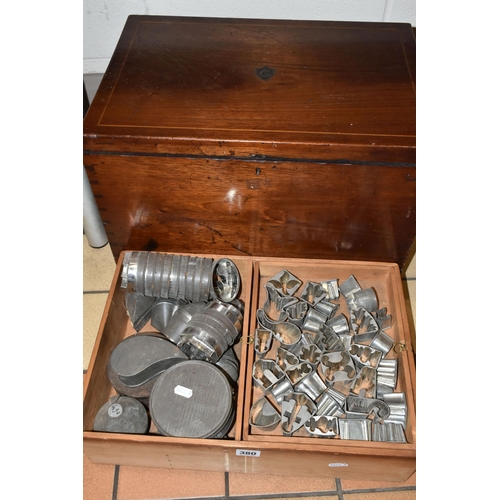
[193,399]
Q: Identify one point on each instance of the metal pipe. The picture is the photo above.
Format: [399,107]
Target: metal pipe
[92,223]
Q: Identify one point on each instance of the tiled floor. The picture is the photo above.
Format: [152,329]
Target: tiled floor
[110,482]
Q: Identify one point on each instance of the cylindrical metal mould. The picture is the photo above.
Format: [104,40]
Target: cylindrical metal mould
[194,400]
[230,364]
[169,276]
[225,284]
[180,319]
[122,414]
[211,332]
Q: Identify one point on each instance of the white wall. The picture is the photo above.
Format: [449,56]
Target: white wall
[103,20]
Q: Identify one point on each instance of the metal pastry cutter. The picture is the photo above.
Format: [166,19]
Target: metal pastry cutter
[296,410]
[322,426]
[285,282]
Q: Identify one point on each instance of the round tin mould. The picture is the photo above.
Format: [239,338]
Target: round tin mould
[129,271]
[230,364]
[205,338]
[211,331]
[192,399]
[225,284]
[180,319]
[137,361]
[122,414]
[190,270]
[229,311]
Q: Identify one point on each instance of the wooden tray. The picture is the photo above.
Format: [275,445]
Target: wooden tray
[386,281]
[244,450]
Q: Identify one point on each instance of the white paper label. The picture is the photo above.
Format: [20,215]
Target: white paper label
[115,410]
[247,453]
[338,464]
[183,391]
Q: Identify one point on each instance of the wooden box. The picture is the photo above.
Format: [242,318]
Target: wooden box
[257,137]
[246,450]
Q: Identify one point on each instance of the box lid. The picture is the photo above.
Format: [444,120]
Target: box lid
[250,88]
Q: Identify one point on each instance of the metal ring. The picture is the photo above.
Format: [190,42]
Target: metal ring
[402,347]
[249,341]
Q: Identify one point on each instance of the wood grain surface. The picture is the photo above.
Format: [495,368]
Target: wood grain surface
[257,137]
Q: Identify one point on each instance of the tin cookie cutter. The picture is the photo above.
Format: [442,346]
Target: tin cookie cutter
[275,304]
[287,333]
[285,359]
[310,353]
[363,325]
[363,299]
[313,293]
[266,373]
[337,366]
[296,410]
[322,426]
[312,385]
[367,406]
[332,289]
[357,429]
[398,407]
[263,415]
[331,403]
[365,355]
[365,383]
[389,432]
[296,373]
[387,376]
[263,339]
[297,311]
[285,283]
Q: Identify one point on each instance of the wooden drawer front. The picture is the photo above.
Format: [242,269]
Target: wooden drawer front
[278,209]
